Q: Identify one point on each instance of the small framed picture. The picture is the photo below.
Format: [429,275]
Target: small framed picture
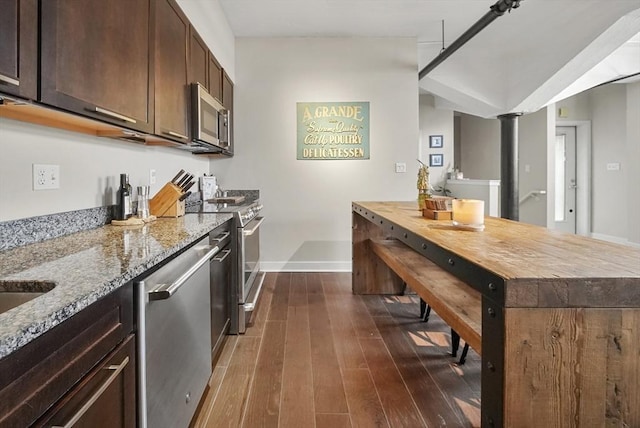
[436,160]
[435,141]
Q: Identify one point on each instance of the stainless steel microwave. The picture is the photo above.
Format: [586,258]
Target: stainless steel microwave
[211,121]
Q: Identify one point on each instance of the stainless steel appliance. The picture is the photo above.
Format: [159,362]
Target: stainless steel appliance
[250,277]
[220,283]
[174,337]
[247,277]
[211,122]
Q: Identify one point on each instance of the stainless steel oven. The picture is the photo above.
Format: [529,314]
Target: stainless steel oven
[249,265]
[247,278]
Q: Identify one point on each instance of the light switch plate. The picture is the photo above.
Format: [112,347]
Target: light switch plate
[401,167]
[615,166]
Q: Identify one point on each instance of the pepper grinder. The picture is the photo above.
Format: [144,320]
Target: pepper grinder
[143,201]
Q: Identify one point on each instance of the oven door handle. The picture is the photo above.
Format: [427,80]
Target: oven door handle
[162,291]
[254,228]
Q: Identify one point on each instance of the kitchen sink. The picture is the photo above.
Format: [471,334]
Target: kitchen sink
[15,293]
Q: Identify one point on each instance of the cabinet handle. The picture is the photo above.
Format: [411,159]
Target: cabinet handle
[9,80]
[222,237]
[113,115]
[221,259]
[175,134]
[116,371]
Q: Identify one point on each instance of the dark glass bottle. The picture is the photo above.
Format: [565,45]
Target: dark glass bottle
[123,210]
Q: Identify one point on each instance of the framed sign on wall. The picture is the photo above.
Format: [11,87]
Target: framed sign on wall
[436,141]
[333,130]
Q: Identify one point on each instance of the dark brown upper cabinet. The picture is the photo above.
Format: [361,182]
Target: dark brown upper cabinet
[204,67]
[227,102]
[215,78]
[198,59]
[171,78]
[97,58]
[19,48]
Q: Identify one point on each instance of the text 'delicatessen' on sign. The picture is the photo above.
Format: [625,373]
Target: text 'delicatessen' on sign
[338,131]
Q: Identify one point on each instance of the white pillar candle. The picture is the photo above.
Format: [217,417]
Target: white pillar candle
[468,212]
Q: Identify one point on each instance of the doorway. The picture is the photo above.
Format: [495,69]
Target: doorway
[565,179]
[582,184]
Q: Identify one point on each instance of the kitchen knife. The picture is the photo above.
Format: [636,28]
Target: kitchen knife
[184,180]
[175,179]
[188,186]
[183,197]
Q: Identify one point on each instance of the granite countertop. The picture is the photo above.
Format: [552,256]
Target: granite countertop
[86,266]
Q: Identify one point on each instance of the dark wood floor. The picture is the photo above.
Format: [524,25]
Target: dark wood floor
[318,356]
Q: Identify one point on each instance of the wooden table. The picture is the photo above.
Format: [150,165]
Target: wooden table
[561,313]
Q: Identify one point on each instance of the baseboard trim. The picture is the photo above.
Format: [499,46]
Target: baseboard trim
[307,266]
[615,239]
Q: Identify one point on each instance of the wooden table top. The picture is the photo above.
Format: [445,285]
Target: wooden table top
[524,253]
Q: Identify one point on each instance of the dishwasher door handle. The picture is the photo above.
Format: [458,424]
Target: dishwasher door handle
[162,291]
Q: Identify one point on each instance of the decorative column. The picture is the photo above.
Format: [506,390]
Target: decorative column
[509,189]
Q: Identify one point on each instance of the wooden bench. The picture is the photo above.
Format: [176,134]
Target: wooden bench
[459,305]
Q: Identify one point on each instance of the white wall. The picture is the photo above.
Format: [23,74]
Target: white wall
[89,168]
[615,129]
[532,168]
[633,156]
[308,202]
[608,109]
[434,121]
[480,157]
[480,147]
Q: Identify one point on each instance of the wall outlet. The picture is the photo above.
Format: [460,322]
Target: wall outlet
[152,176]
[401,167]
[46,177]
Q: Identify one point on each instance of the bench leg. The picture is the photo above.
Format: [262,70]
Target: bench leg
[463,357]
[455,342]
[425,310]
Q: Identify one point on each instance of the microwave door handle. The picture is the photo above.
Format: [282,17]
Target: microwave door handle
[254,228]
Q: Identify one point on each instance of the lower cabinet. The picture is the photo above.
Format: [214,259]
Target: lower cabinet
[83,367]
[106,397]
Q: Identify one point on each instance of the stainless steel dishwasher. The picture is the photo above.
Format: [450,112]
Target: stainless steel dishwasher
[174,338]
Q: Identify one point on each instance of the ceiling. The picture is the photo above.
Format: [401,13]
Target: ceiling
[539,53]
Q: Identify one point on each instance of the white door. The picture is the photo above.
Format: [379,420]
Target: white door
[565,160]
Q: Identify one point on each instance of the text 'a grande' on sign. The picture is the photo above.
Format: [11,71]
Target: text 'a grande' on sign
[333,130]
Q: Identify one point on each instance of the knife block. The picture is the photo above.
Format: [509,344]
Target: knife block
[166,202]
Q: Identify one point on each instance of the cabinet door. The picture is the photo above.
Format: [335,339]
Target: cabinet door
[227,101]
[106,397]
[215,77]
[38,375]
[171,80]
[198,59]
[19,47]
[95,58]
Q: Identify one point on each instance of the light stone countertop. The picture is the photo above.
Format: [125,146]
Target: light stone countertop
[86,266]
